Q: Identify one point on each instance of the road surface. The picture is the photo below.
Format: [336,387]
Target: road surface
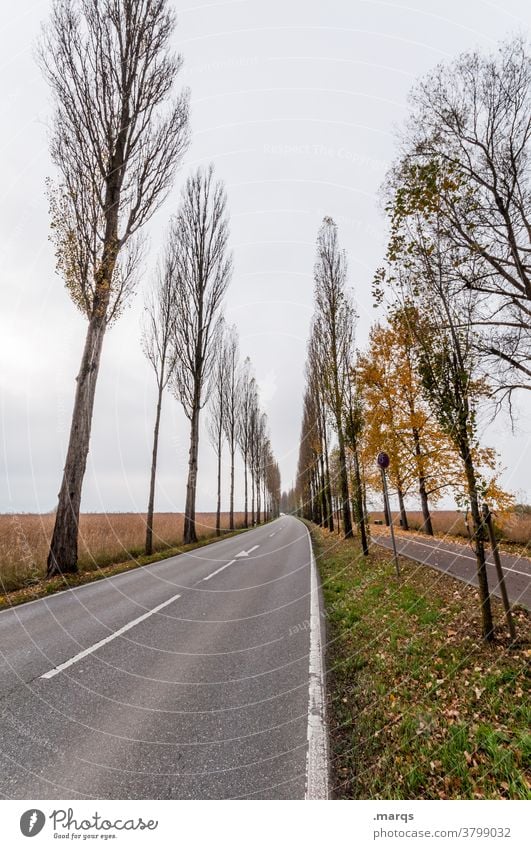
[459,561]
[197,677]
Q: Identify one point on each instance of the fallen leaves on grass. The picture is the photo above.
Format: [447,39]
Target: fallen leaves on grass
[419,706]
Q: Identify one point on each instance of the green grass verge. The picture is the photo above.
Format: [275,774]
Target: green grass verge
[418,706]
[103,568]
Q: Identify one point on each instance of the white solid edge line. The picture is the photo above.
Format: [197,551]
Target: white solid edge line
[221,568]
[317,753]
[106,640]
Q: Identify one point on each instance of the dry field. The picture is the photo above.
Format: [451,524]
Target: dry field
[515,528]
[104,538]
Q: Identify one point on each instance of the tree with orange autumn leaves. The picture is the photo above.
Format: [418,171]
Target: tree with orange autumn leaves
[397,418]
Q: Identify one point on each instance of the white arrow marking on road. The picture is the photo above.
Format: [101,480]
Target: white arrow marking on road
[221,568]
[108,639]
[272,535]
[247,553]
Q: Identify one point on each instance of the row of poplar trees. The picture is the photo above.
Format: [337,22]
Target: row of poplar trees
[195,354]
[119,133]
[456,287]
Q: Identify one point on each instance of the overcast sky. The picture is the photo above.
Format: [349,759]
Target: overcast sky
[296,102]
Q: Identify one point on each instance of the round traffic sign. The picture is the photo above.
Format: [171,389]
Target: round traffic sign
[383,460]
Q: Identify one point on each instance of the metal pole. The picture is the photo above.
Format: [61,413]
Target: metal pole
[487,515]
[387,506]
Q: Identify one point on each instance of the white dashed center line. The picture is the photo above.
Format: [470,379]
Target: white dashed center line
[221,568]
[108,639]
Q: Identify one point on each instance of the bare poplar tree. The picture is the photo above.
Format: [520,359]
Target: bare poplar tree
[334,329]
[157,342]
[315,386]
[470,131]
[273,486]
[267,462]
[203,267]
[110,70]
[254,429]
[310,484]
[260,438]
[216,423]
[243,435]
[232,407]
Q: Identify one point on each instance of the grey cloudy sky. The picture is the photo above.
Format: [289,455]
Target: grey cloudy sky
[296,102]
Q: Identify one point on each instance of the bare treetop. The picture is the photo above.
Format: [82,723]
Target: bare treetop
[158,328]
[203,267]
[199,237]
[333,323]
[110,69]
[216,390]
[467,148]
[233,384]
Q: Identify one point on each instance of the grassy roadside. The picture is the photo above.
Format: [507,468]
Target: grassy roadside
[418,706]
[102,569]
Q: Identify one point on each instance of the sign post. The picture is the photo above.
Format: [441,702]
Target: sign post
[383,462]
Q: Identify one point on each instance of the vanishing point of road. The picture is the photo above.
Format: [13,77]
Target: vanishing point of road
[198,677]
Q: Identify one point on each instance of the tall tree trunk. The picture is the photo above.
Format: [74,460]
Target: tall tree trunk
[365,511]
[403,514]
[231,508]
[321,470]
[218,505]
[347,518]
[479,543]
[246,506]
[427,526]
[252,495]
[317,495]
[258,501]
[151,502]
[62,557]
[322,489]
[359,501]
[189,513]
[330,508]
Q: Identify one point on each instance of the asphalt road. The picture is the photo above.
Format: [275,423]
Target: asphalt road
[190,678]
[460,562]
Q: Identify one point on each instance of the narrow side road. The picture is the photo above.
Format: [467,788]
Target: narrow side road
[459,561]
[191,678]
